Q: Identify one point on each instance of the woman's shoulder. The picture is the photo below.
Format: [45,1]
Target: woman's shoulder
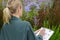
[28,25]
[26,22]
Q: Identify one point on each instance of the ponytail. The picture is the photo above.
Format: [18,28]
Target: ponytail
[6,16]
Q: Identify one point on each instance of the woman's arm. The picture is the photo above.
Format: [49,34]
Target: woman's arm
[31,35]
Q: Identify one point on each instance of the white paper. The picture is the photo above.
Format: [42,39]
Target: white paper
[48,33]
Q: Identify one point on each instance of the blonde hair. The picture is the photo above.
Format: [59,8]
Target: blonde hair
[11,8]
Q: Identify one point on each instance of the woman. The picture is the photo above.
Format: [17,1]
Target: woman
[14,28]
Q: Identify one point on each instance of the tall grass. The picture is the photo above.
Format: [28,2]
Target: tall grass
[56,29]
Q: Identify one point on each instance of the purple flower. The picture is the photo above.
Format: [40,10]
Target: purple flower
[37,5]
[35,20]
[41,0]
[27,8]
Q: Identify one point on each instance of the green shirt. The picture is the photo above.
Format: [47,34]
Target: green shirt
[18,30]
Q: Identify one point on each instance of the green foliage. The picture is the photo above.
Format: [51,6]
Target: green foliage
[56,29]
[56,34]
[50,23]
[29,16]
[0,4]
[32,12]
[1,21]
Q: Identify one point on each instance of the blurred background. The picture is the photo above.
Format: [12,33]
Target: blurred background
[40,13]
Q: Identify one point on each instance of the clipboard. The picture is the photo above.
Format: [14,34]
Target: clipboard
[48,33]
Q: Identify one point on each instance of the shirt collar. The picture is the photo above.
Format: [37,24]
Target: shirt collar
[15,18]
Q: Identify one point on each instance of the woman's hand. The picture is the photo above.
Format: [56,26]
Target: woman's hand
[42,32]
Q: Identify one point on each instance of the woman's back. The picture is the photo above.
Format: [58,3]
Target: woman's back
[18,30]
